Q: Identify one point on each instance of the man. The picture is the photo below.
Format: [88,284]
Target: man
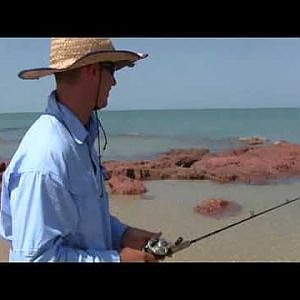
[54,206]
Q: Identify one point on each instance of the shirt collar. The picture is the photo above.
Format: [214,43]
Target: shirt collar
[77,130]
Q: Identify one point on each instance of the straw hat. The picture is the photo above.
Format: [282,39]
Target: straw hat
[72,53]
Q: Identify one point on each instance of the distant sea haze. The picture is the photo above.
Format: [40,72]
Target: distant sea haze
[144,133]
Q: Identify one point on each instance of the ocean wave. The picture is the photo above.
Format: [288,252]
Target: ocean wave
[8,129]
[135,135]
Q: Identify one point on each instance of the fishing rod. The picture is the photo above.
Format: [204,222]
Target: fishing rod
[160,247]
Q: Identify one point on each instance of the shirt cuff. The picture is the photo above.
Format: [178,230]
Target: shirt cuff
[110,256]
[117,231]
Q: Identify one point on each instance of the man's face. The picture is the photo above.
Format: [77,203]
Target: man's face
[107,80]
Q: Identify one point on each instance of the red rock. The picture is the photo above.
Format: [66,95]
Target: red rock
[252,164]
[2,166]
[163,167]
[126,186]
[217,208]
[2,169]
[211,205]
[0,185]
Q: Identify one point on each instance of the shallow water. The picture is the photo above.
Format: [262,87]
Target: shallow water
[168,207]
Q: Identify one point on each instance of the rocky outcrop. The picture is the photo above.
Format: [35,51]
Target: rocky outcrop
[256,164]
[2,166]
[253,165]
[175,164]
[125,186]
[217,208]
[2,169]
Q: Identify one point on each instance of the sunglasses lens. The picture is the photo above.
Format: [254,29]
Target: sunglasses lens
[110,68]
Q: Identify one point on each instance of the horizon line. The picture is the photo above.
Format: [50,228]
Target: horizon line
[172,109]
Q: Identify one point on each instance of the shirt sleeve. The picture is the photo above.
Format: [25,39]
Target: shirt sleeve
[44,215]
[117,227]
[117,230]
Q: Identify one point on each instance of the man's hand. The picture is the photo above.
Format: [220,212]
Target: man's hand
[133,242]
[133,255]
[137,238]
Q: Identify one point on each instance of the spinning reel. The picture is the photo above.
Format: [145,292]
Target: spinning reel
[161,247]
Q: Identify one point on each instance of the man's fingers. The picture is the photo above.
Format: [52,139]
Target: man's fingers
[157,235]
[149,257]
[154,258]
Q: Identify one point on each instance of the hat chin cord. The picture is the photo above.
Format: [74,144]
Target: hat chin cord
[98,119]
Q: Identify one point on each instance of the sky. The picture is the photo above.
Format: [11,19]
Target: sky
[181,73]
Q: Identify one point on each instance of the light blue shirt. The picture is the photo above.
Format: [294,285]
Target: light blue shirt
[54,205]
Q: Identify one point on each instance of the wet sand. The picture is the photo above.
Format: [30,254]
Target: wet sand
[3,251]
[168,207]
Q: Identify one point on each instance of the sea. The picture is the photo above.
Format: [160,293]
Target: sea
[142,134]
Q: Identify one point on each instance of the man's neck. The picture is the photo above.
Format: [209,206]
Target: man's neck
[75,103]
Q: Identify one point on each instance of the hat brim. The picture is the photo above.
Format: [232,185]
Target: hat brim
[121,58]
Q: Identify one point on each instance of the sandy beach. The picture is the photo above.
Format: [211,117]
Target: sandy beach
[3,251]
[168,207]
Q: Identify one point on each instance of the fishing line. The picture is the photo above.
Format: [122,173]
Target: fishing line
[161,247]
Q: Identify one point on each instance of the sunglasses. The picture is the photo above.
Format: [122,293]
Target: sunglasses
[110,67]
